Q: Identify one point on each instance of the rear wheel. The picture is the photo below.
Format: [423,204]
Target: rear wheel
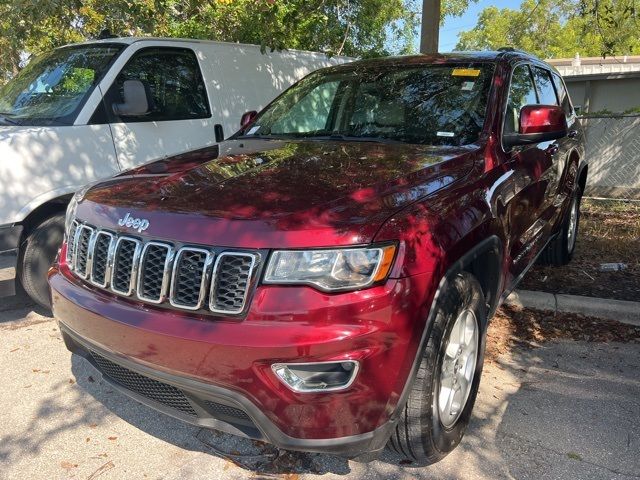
[440,402]
[37,253]
[560,250]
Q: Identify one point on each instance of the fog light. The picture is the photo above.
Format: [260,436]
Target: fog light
[317,377]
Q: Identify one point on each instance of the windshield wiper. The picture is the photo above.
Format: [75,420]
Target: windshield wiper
[354,138]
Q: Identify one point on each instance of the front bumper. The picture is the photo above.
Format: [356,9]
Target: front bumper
[222,366]
[9,244]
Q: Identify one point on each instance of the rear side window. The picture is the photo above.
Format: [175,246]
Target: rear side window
[522,91]
[546,91]
[173,79]
[563,96]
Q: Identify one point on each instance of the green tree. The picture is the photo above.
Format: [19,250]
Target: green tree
[559,28]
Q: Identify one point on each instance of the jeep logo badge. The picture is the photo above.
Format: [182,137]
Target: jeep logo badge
[139,224]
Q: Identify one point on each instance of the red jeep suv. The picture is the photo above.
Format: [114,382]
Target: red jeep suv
[323,279]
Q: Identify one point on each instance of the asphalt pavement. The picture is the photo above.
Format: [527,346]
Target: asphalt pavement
[567,409]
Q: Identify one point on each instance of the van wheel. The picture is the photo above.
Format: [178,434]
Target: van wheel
[440,402]
[560,250]
[37,254]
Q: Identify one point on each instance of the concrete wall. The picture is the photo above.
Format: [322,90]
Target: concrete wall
[614,95]
[613,152]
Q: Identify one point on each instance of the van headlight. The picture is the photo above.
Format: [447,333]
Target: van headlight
[331,270]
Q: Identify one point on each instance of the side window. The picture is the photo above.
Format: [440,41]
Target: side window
[563,96]
[309,114]
[546,91]
[522,91]
[173,80]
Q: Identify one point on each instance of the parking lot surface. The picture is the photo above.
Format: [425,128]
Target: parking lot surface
[565,409]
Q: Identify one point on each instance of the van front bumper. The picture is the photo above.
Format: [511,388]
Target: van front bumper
[216,372]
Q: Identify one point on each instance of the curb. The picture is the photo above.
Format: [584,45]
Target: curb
[618,310]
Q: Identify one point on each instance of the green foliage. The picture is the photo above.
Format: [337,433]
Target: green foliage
[561,28]
[337,27]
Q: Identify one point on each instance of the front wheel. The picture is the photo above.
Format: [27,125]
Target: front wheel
[37,254]
[440,402]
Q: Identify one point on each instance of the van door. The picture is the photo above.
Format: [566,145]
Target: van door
[179,116]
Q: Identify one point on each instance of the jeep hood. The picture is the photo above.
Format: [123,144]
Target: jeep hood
[275,194]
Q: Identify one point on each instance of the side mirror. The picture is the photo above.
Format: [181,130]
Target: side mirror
[136,100]
[538,123]
[247,118]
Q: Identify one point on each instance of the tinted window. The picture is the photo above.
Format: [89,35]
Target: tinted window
[546,91]
[173,79]
[428,104]
[563,96]
[521,92]
[53,87]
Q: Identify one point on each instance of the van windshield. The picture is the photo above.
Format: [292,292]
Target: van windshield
[52,88]
[435,104]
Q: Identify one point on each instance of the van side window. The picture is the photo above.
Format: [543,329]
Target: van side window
[309,114]
[563,96]
[546,91]
[522,91]
[173,79]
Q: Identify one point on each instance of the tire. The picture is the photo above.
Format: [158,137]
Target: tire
[37,253]
[561,249]
[423,434]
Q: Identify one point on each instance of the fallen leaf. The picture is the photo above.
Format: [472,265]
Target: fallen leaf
[113,438]
[14,350]
[88,439]
[35,370]
[93,425]
[90,379]
[72,381]
[68,465]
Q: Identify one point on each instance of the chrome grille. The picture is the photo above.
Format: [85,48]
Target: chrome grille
[83,239]
[155,272]
[190,274]
[72,241]
[229,288]
[125,259]
[101,257]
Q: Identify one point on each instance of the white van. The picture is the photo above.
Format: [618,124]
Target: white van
[88,111]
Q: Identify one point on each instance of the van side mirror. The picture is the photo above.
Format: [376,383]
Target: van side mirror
[136,100]
[247,118]
[538,123]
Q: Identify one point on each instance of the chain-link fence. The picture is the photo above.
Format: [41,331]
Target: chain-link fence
[613,151]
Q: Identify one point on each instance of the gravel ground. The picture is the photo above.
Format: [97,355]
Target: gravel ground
[550,406]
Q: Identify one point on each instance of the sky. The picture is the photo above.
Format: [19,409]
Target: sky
[453,26]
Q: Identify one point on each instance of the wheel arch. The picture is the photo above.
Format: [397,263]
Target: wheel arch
[42,212]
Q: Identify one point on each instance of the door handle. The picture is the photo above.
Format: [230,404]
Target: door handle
[572,134]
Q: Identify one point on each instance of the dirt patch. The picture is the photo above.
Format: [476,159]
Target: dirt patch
[609,233]
[513,327]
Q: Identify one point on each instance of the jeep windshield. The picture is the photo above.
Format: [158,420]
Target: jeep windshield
[52,88]
[435,104]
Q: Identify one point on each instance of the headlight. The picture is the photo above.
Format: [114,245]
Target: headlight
[331,270]
[71,209]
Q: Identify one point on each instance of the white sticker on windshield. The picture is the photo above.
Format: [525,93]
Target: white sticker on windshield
[253,130]
[445,134]
[468,85]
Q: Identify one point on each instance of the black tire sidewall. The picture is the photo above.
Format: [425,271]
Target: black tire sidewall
[467,294]
[37,254]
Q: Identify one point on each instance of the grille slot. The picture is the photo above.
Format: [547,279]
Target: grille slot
[81,250]
[101,258]
[163,393]
[232,278]
[190,276]
[125,265]
[71,242]
[154,272]
[225,410]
